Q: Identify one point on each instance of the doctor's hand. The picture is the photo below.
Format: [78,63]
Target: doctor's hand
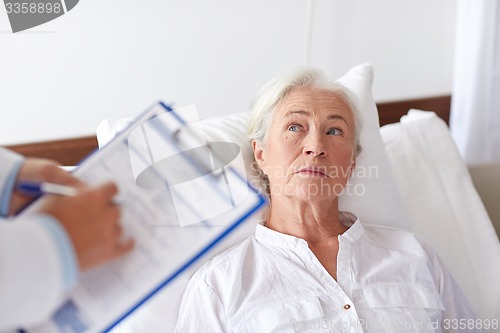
[39,170]
[91,220]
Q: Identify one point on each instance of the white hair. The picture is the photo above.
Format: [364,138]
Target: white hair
[277,89]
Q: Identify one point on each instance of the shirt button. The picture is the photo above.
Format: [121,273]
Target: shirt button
[347,307]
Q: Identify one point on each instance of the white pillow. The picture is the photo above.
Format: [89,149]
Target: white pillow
[380,202]
[443,206]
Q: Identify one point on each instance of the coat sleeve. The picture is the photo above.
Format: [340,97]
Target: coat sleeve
[31,272]
[9,164]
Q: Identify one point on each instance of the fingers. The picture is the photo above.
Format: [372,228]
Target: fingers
[116,242]
[92,221]
[55,174]
[107,191]
[119,245]
[122,243]
[39,170]
[102,196]
[123,247]
[35,169]
[111,245]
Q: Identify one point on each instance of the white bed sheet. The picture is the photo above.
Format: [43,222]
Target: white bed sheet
[443,206]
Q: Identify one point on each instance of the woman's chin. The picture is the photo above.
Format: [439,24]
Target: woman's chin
[308,189]
[317,190]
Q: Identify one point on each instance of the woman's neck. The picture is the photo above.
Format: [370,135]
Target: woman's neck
[315,222]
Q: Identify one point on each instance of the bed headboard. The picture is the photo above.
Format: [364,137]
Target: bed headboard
[70,151]
[391,112]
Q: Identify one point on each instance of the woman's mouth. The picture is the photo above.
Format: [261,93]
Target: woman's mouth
[313,171]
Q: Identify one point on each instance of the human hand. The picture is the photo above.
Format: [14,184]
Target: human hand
[92,222]
[39,170]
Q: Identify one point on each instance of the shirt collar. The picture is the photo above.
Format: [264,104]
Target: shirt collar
[278,239]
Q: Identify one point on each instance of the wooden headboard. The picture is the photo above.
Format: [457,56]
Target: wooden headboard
[70,151]
[391,112]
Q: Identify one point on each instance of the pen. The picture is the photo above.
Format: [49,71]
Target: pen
[34,188]
[37,189]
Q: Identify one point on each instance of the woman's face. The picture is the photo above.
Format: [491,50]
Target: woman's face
[309,150]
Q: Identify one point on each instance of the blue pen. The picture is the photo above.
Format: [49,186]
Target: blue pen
[36,189]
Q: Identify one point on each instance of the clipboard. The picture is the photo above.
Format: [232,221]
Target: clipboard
[180,197]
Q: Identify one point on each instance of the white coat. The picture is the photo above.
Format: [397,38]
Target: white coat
[31,272]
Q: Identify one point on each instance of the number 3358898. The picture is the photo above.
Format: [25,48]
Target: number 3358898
[32,8]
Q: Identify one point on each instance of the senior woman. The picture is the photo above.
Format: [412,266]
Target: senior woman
[309,267]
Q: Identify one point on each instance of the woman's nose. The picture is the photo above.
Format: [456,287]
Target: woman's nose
[314,146]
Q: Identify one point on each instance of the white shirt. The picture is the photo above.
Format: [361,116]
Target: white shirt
[387,281]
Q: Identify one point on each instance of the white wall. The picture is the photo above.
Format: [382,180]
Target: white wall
[113,58]
[409,42]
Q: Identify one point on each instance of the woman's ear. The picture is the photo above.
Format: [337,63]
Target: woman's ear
[258,154]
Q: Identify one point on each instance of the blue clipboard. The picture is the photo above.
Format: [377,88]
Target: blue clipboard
[180,196]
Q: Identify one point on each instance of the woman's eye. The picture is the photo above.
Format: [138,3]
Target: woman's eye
[334,131]
[293,128]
